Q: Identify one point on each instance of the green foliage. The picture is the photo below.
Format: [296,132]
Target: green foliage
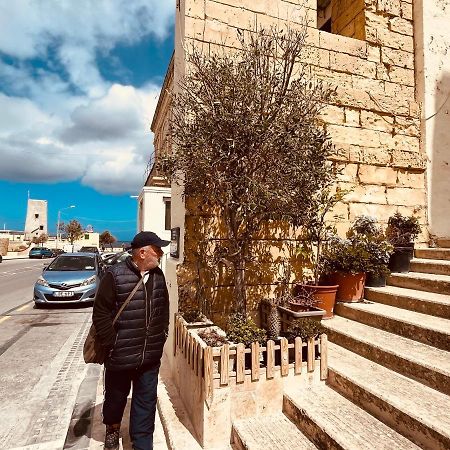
[212,338]
[304,328]
[106,238]
[243,330]
[366,229]
[40,239]
[345,255]
[73,231]
[365,250]
[318,229]
[365,225]
[401,230]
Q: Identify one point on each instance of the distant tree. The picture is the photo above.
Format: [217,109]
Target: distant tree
[106,238]
[40,239]
[73,231]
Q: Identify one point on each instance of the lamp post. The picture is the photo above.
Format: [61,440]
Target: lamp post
[59,219]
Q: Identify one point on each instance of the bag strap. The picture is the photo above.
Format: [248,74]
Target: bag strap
[125,303]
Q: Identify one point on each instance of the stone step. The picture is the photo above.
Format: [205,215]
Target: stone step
[435,266]
[421,362]
[433,253]
[333,422]
[439,284]
[416,411]
[268,432]
[430,330]
[412,299]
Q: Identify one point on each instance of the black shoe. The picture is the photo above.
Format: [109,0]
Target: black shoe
[112,437]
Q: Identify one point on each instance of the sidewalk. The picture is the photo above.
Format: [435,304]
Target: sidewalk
[86,431]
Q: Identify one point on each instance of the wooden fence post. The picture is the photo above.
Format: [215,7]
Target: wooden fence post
[208,373]
[240,363]
[298,345]
[255,361]
[224,364]
[284,353]
[311,355]
[270,359]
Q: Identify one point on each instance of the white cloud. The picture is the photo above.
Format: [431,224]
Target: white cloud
[65,125]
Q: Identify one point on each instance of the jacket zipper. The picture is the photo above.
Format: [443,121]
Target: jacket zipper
[146,322]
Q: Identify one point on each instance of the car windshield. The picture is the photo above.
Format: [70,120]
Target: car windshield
[63,263]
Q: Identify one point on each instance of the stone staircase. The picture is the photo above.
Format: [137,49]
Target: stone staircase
[389,372]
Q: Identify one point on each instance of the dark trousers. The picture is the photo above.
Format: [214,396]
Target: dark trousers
[143,402]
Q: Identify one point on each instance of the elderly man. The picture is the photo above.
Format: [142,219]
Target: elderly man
[135,343]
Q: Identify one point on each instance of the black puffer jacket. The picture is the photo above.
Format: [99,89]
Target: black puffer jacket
[138,337]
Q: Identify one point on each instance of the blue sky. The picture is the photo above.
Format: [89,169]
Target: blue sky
[79,82]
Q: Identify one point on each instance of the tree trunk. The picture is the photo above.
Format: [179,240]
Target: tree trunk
[240,296]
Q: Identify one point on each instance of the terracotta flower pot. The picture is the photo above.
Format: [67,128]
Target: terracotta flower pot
[351,286]
[325,297]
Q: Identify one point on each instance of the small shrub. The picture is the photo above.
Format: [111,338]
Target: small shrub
[345,255]
[212,338]
[366,230]
[401,230]
[365,225]
[303,297]
[303,328]
[243,330]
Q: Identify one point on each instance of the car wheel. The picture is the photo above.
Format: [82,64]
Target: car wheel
[37,305]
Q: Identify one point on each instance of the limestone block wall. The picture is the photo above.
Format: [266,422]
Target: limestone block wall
[374,118]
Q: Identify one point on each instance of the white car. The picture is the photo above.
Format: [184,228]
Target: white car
[105,255]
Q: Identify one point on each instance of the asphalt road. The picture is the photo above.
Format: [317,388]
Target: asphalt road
[41,365]
[17,277]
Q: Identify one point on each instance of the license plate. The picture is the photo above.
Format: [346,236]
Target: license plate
[64,294]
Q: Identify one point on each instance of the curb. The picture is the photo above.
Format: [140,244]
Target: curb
[174,418]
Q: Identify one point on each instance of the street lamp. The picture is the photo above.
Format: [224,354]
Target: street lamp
[59,219]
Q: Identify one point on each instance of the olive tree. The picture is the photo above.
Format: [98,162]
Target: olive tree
[247,138]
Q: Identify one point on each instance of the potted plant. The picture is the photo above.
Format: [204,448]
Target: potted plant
[377,246]
[345,263]
[401,233]
[316,233]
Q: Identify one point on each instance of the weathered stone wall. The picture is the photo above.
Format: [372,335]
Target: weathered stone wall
[374,118]
[348,18]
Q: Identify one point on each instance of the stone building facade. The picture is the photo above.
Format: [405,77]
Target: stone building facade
[387,60]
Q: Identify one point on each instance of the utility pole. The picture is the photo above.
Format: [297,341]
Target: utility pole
[58,235]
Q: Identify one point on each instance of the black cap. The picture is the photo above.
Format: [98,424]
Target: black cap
[145,238]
